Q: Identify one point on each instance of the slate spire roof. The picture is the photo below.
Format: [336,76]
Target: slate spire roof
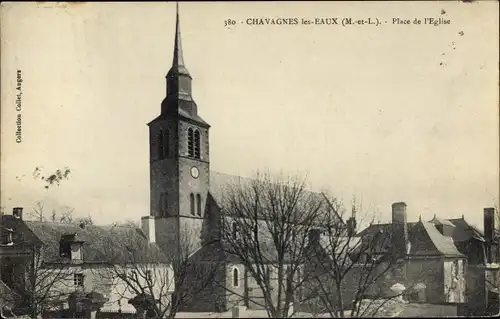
[178,66]
[179,101]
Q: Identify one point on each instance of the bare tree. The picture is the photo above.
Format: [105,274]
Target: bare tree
[66,216]
[161,280]
[44,285]
[84,221]
[347,270]
[38,211]
[266,227]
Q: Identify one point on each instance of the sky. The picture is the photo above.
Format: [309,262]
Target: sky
[387,113]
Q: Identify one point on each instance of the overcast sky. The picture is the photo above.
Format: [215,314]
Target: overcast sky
[388,113]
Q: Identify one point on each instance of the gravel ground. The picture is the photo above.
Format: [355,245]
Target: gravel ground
[391,308]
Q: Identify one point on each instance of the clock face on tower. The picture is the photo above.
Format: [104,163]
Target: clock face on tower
[194,172]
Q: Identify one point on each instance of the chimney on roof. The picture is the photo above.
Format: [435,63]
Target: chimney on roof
[17,212]
[351,226]
[399,230]
[489,229]
[148,228]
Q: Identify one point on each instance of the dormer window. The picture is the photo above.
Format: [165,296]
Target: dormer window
[70,247]
[7,237]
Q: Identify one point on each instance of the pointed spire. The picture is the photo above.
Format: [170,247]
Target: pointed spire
[178,77]
[178,59]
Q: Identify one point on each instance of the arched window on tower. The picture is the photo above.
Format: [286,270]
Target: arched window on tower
[160,145]
[236,277]
[198,204]
[197,144]
[190,142]
[191,199]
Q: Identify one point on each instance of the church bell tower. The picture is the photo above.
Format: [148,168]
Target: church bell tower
[179,159]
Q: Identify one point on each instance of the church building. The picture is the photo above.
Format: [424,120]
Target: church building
[185,195]
[179,159]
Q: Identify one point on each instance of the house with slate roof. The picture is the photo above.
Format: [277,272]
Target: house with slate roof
[431,259]
[449,257]
[76,258]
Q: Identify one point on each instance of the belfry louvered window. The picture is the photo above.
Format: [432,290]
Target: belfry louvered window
[196,144]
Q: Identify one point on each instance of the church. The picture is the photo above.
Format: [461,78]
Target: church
[185,195]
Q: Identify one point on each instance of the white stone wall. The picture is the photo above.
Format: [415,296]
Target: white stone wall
[454,280]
